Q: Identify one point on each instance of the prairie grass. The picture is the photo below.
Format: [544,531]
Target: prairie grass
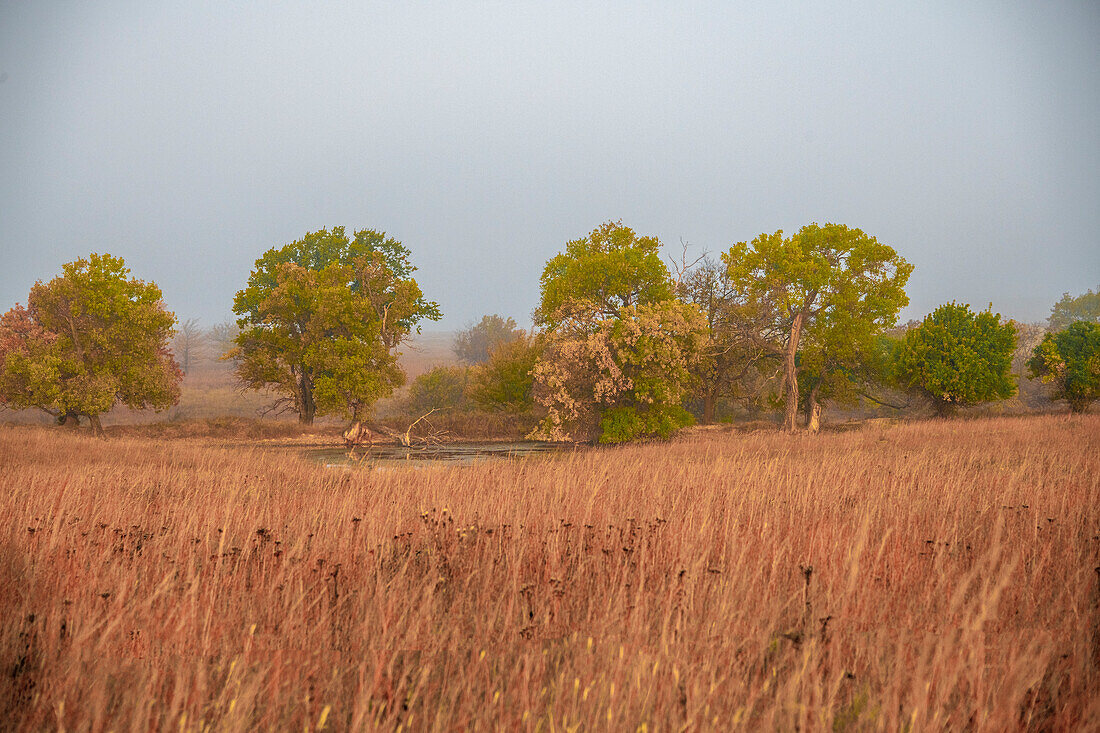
[923,576]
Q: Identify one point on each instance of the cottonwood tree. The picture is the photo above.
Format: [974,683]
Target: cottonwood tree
[320,320]
[1070,361]
[610,269]
[474,344]
[843,365]
[1070,309]
[958,358]
[618,350]
[88,339]
[827,277]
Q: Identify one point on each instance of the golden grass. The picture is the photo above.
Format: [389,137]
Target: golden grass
[172,585]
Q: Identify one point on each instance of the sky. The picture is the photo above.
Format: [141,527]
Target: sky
[190,137]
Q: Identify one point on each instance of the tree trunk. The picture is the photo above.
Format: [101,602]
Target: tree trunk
[791,375]
[813,424]
[708,408]
[97,426]
[309,407]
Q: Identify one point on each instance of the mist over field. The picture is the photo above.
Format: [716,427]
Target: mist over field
[189,138]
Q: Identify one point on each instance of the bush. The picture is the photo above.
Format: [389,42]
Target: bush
[504,382]
[1070,360]
[440,388]
[958,358]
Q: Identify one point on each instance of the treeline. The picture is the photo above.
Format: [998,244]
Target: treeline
[624,345]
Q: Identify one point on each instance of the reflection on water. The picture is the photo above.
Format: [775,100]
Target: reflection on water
[451,453]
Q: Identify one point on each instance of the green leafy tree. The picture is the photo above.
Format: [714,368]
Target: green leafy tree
[505,381]
[1070,309]
[824,278]
[89,339]
[618,352]
[840,364]
[624,380]
[320,320]
[439,388]
[958,358]
[474,344]
[1070,360]
[595,277]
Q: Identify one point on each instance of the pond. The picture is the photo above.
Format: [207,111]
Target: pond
[426,455]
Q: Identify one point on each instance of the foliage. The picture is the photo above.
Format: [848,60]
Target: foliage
[474,344]
[958,358]
[1070,360]
[505,381]
[442,387]
[624,380]
[595,277]
[832,284]
[87,339]
[320,319]
[1084,307]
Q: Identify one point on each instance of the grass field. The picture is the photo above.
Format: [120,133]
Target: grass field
[922,576]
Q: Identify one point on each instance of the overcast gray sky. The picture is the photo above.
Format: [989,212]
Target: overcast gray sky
[190,137]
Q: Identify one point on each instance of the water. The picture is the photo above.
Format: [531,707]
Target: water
[446,454]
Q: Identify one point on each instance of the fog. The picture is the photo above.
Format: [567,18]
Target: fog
[189,138]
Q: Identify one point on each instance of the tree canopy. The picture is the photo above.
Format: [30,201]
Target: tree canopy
[596,276]
[320,319]
[827,279]
[88,339]
[1070,361]
[1070,309]
[958,358]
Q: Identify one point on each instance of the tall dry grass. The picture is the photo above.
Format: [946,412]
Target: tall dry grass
[922,577]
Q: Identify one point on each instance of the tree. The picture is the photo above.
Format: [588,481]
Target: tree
[618,351]
[625,379]
[189,344]
[88,339]
[595,277]
[1070,360]
[439,388]
[839,364]
[320,320]
[823,277]
[505,381]
[958,358]
[223,338]
[474,344]
[731,356]
[1069,309]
